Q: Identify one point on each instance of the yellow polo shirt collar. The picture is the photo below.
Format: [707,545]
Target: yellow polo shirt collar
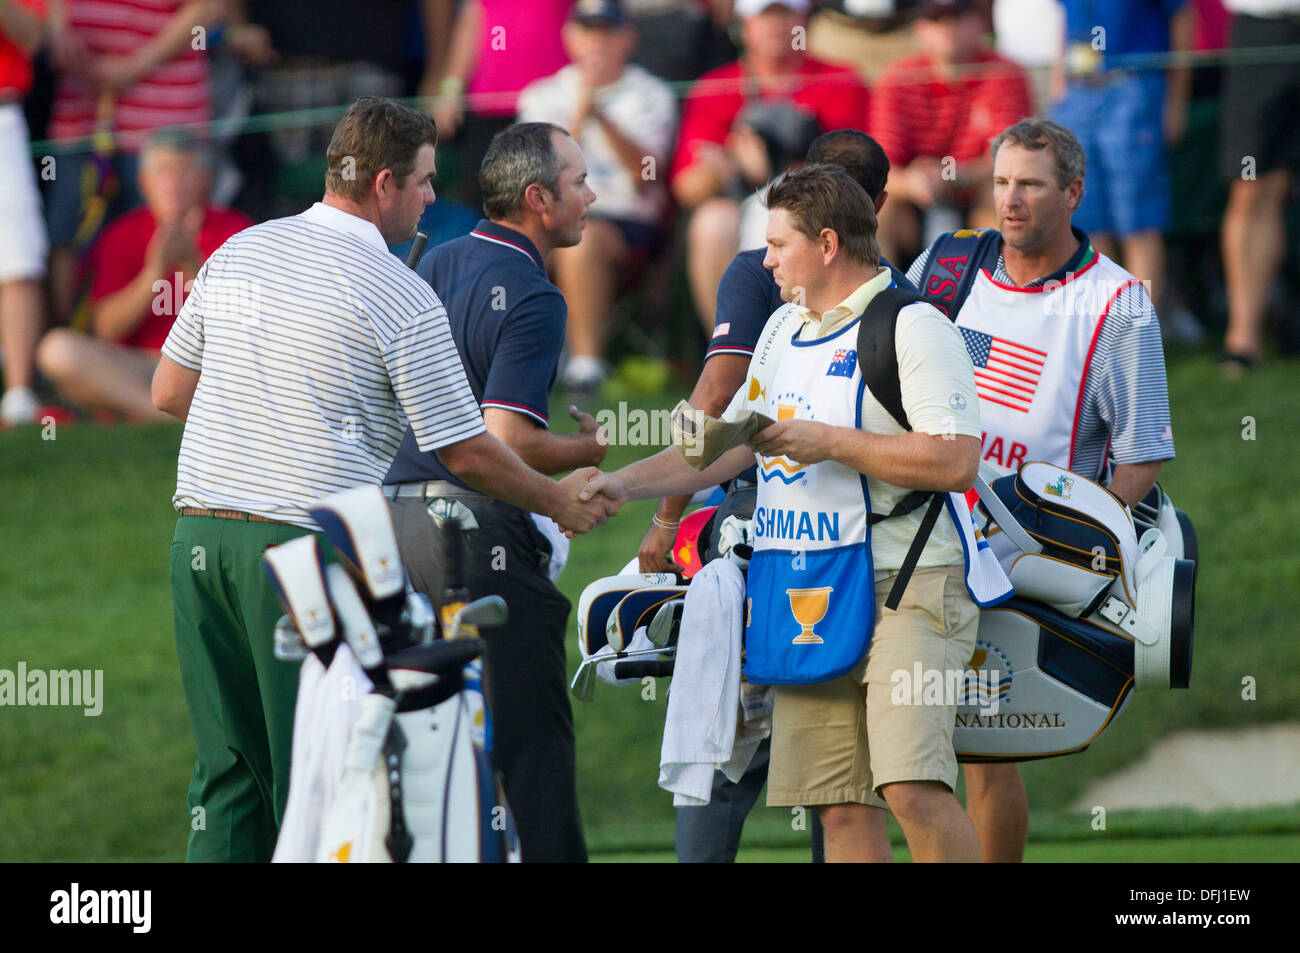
[820,325]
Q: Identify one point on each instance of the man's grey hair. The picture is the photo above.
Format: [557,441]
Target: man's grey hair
[518,156]
[1038,134]
[177,142]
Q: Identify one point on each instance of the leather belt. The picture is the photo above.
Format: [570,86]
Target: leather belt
[429,490]
[230,515]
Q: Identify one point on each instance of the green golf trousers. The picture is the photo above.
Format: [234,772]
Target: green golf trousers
[241,698]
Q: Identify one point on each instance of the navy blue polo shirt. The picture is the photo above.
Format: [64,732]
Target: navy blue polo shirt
[507,321]
[747,296]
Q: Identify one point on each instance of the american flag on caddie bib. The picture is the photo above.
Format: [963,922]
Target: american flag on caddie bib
[1006,373]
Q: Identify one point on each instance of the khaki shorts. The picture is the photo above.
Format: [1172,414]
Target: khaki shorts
[839,742]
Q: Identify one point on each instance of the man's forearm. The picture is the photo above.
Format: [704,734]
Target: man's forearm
[630,155]
[918,461]
[703,179]
[491,467]
[552,453]
[22,26]
[722,376]
[178,34]
[116,315]
[667,474]
[1132,481]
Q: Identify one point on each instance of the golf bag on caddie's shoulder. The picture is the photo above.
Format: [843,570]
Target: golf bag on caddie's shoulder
[391,738]
[1099,610]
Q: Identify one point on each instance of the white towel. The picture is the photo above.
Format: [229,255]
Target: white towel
[559,545]
[704,703]
[322,724]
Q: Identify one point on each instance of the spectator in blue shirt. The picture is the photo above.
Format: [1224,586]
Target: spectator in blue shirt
[507,321]
[1115,102]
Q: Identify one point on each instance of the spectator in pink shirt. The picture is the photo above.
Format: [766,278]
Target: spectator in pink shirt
[497,48]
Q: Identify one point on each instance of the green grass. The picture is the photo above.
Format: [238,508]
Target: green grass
[1239,849]
[83,584]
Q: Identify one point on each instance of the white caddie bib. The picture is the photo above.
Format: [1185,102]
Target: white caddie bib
[810,606]
[1031,348]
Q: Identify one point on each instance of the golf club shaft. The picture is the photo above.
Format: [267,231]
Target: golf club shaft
[418,245]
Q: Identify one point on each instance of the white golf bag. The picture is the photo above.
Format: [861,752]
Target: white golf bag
[1099,611]
[390,750]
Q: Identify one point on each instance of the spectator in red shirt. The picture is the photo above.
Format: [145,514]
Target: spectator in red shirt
[719,160]
[936,111]
[142,267]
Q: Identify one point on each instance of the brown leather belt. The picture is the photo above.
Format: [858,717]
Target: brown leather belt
[229,515]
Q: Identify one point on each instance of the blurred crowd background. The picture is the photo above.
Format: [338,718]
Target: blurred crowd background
[137,135]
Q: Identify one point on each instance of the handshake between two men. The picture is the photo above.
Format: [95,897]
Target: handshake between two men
[707,451]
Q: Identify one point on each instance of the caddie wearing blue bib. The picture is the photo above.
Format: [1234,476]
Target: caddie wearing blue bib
[845,739]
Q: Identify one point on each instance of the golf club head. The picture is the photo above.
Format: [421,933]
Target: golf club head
[663,628]
[289,646]
[490,611]
[419,620]
[298,574]
[354,620]
[360,525]
[601,597]
[584,680]
[447,511]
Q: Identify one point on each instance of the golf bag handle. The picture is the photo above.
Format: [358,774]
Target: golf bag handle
[661,669]
[1002,516]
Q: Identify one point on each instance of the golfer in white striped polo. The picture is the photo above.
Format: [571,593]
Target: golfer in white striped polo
[300,355]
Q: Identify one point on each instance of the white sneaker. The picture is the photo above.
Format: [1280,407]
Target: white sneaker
[584,375]
[18,406]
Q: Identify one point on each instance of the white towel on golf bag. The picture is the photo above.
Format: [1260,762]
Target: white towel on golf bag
[349,827]
[324,713]
[701,728]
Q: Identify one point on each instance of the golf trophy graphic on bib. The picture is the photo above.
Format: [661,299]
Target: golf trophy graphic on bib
[809,607]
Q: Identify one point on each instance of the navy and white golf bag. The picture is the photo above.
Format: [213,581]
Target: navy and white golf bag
[1099,610]
[390,748]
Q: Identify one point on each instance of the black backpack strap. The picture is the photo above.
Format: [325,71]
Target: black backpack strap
[955,259]
[914,552]
[878,359]
[876,353]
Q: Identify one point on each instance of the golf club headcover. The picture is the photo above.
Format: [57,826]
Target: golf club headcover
[360,525]
[298,574]
[635,611]
[354,620]
[601,597]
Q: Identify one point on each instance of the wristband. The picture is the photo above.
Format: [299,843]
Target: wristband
[662,524]
[451,86]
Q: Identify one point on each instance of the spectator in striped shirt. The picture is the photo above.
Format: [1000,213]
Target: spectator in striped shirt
[142,267]
[1069,366]
[935,112]
[129,67]
[302,353]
